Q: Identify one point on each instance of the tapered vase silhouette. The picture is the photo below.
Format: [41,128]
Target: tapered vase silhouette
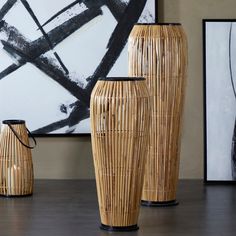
[120,118]
[158,52]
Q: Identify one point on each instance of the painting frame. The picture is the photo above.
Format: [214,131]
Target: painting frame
[206,74]
[78,133]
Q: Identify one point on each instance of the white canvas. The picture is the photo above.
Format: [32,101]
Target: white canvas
[28,92]
[220,44]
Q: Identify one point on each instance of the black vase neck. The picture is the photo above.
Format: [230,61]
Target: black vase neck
[13,122]
[121,78]
[160,24]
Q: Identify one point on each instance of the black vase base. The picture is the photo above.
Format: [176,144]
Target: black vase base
[159,204]
[119,228]
[16,196]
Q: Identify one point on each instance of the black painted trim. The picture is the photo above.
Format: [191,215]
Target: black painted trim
[204,100]
[220,182]
[16,196]
[121,78]
[119,228]
[13,122]
[206,181]
[159,204]
[167,24]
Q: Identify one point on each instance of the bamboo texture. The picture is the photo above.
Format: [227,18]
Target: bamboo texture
[16,166]
[159,53]
[120,120]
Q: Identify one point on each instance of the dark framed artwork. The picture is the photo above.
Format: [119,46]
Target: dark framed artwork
[219,38]
[53,52]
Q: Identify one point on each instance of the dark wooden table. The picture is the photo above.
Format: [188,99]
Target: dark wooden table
[69,208]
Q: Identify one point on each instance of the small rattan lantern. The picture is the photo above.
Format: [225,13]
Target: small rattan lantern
[16,166]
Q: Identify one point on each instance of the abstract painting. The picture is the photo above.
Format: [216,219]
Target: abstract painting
[220,99]
[53,52]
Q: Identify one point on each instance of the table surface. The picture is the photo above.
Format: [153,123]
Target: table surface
[69,207]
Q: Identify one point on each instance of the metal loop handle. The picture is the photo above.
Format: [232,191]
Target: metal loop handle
[17,136]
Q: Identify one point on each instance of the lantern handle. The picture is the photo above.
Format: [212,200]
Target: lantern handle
[30,135]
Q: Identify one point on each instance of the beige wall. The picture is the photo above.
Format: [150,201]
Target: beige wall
[72,158]
[63,158]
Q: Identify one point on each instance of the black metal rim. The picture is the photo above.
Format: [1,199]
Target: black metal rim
[119,228]
[121,78]
[13,122]
[158,24]
[16,196]
[159,204]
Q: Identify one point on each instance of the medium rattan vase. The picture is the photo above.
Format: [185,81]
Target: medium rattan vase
[158,52]
[120,120]
[16,165]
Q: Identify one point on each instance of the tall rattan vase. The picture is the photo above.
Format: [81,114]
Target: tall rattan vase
[16,165]
[158,52]
[120,120]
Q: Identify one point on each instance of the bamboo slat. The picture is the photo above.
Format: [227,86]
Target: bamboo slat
[158,52]
[16,166]
[120,119]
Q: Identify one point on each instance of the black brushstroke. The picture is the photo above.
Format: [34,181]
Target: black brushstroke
[61,32]
[115,46]
[61,11]
[1,24]
[52,127]
[10,69]
[40,46]
[117,41]
[29,9]
[61,63]
[80,112]
[56,74]
[116,7]
[130,17]
[230,60]
[63,109]
[233,148]
[14,36]
[6,7]
[233,153]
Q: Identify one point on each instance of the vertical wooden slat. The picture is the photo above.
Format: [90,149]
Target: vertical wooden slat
[159,53]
